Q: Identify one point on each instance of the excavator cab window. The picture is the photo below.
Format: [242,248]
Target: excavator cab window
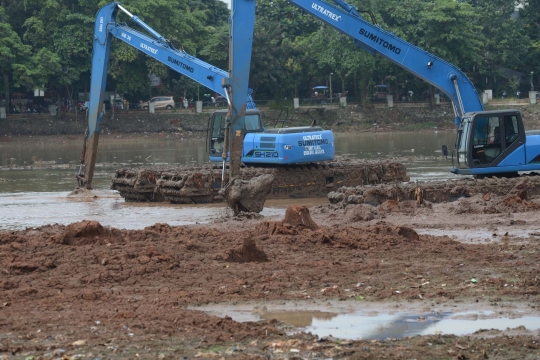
[511,129]
[253,123]
[487,144]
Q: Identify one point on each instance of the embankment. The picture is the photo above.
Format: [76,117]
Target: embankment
[348,119]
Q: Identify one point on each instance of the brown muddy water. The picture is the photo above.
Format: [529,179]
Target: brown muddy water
[362,320]
[36,177]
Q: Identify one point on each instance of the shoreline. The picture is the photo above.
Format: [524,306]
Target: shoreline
[169,135]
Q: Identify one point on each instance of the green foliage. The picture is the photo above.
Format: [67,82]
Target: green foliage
[49,43]
[12,49]
[514,84]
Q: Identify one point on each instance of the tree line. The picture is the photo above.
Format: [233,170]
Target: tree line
[48,45]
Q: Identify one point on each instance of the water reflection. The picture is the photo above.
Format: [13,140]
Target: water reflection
[300,319]
[375,321]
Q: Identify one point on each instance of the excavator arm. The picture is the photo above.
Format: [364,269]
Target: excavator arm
[346,19]
[435,71]
[155,46]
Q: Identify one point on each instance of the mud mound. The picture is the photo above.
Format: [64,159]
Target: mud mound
[493,204]
[436,191]
[248,253]
[519,202]
[276,228]
[81,192]
[85,233]
[299,216]
[381,237]
[297,219]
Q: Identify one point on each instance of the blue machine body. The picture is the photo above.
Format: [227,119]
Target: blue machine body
[278,146]
[294,147]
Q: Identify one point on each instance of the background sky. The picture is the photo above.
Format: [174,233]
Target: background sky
[228,2]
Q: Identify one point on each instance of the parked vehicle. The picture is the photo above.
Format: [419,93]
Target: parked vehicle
[160,102]
[380,92]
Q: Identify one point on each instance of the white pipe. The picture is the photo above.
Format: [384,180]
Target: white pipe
[124,10]
[459,97]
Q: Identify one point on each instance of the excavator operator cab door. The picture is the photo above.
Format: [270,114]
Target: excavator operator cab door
[493,136]
[486,140]
[216,133]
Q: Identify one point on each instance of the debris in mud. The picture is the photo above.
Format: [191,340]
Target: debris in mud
[248,196]
[520,189]
[248,253]
[247,216]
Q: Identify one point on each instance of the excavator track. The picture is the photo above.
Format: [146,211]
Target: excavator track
[196,184]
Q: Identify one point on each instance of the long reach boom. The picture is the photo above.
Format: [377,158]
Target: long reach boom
[155,46]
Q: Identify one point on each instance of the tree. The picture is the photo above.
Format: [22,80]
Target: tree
[13,53]
[531,22]
[505,42]
[445,28]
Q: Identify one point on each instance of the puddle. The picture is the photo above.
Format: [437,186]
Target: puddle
[371,321]
[21,210]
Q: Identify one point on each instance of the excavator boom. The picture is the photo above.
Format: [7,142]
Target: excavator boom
[155,46]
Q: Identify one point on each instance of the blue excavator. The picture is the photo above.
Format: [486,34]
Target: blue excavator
[489,143]
[261,146]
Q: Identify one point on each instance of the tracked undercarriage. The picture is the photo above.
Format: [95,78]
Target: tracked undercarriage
[193,184]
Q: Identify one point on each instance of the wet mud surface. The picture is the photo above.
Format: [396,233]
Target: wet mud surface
[89,291]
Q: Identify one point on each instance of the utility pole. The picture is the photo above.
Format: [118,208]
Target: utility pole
[331,87]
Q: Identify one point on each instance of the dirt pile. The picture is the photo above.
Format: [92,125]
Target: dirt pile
[493,204]
[86,233]
[299,216]
[248,253]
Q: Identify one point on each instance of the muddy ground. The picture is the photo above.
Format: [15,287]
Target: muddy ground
[85,291]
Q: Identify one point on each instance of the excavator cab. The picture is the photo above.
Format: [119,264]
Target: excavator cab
[489,142]
[215,139]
